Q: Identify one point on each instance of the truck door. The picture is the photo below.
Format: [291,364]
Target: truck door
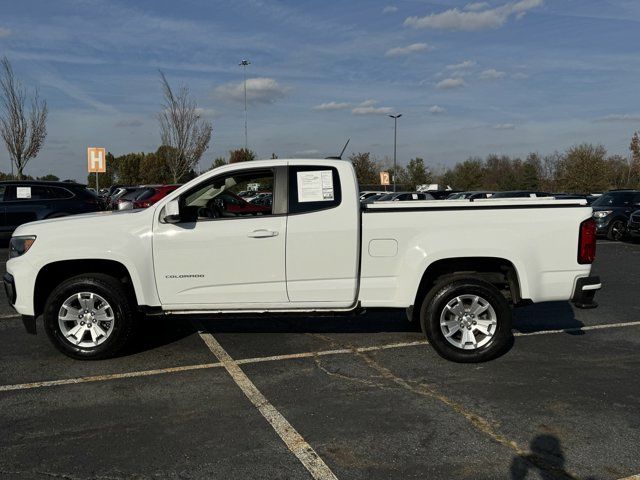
[218,257]
[323,235]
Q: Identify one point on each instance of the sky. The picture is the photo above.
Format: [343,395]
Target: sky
[469,78]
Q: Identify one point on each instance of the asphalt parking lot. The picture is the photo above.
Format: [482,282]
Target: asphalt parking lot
[358,397]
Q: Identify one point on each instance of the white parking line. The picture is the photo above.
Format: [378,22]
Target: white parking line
[275,358]
[102,378]
[578,329]
[292,439]
[12,315]
[632,477]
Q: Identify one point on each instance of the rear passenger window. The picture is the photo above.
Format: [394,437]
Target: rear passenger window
[313,188]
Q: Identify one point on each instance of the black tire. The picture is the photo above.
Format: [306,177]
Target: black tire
[436,300]
[121,302]
[617,230]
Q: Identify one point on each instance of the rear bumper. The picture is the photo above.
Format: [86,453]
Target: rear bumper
[585,291]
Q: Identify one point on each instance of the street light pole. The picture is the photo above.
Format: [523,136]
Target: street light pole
[244,64]
[395,143]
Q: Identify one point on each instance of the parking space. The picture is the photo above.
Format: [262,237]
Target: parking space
[334,397]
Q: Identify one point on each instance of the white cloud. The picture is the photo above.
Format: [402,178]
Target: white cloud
[368,107]
[492,74]
[450,83]
[409,49]
[4,32]
[455,19]
[206,112]
[390,9]
[619,117]
[134,122]
[436,109]
[504,126]
[332,106]
[461,66]
[520,76]
[259,90]
[475,6]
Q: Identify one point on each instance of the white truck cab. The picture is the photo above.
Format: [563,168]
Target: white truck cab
[457,268]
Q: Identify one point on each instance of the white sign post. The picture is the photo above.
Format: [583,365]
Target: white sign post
[96,162]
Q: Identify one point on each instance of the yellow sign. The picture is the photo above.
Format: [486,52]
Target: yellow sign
[384,178]
[96,160]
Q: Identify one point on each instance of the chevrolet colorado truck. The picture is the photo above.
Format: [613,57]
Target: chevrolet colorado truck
[457,267]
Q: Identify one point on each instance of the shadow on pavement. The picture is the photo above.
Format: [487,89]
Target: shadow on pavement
[369,322]
[545,458]
[546,316]
[156,332]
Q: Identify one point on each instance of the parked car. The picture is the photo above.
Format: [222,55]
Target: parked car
[369,193]
[112,202]
[316,250]
[373,198]
[27,201]
[404,196]
[612,212]
[232,205]
[440,194]
[521,194]
[472,195]
[633,227]
[151,194]
[125,201]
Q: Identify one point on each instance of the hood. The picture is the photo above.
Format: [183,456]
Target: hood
[62,225]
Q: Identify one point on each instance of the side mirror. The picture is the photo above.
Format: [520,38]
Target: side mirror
[172,211]
[125,205]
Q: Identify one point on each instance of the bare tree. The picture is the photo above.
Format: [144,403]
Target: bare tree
[23,133]
[182,129]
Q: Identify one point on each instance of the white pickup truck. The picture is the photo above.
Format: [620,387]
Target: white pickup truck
[457,267]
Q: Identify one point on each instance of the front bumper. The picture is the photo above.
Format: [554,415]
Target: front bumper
[585,290]
[9,288]
[602,225]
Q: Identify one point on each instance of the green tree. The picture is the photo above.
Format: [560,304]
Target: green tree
[49,177]
[468,175]
[634,164]
[365,167]
[418,173]
[241,155]
[584,169]
[218,162]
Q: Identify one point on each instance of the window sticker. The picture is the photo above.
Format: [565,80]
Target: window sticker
[315,186]
[23,192]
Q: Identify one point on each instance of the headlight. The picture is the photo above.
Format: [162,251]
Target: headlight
[602,213]
[20,245]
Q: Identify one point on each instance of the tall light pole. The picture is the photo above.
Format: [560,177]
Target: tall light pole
[395,143]
[244,64]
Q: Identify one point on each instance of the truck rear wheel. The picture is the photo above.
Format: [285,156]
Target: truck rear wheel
[466,320]
[90,316]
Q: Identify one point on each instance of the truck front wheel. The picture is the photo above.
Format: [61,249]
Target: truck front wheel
[90,316]
[466,320]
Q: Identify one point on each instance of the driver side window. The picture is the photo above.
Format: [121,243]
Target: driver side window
[245,193]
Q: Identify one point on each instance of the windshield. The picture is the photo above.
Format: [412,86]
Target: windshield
[614,200]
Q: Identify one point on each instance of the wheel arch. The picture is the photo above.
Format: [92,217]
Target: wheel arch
[498,271]
[54,273]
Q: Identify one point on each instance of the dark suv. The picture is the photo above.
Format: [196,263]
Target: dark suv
[28,201]
[612,210]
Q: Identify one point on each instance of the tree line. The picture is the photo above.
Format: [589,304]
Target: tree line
[583,168]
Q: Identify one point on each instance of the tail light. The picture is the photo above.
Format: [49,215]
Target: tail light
[587,242]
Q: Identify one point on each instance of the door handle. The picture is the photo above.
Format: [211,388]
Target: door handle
[262,233]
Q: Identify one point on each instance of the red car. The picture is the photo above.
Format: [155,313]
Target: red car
[151,194]
[236,205]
